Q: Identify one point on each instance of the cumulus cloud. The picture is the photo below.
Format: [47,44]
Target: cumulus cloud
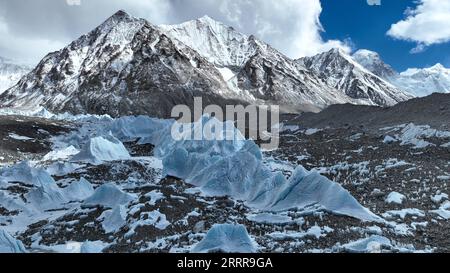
[427,24]
[36,27]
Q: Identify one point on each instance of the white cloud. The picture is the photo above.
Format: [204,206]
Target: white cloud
[292,26]
[23,49]
[426,25]
[374,2]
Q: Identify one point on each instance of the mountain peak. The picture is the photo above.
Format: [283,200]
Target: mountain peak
[372,61]
[438,66]
[120,14]
[336,50]
[207,18]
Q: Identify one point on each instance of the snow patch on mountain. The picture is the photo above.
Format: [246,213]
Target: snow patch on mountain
[218,43]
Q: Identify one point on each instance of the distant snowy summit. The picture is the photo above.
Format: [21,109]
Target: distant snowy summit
[128,66]
[341,71]
[418,82]
[372,61]
[425,81]
[10,73]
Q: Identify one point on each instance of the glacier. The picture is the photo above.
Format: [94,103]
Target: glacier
[227,165]
[10,245]
[100,149]
[234,166]
[108,195]
[45,193]
[79,190]
[226,238]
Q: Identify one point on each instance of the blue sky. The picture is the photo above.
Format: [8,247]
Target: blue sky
[366,26]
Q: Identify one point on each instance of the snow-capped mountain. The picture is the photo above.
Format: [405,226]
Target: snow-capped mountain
[372,61]
[220,44]
[10,73]
[124,66]
[418,82]
[342,72]
[423,82]
[253,66]
[129,66]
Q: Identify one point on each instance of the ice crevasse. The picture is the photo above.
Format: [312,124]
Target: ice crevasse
[233,166]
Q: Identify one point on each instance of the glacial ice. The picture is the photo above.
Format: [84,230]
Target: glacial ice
[226,238]
[114,219]
[62,154]
[108,195]
[22,172]
[372,244]
[45,193]
[79,190]
[92,247]
[224,165]
[100,149]
[396,198]
[10,245]
[217,158]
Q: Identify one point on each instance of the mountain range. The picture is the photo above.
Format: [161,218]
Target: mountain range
[129,66]
[418,82]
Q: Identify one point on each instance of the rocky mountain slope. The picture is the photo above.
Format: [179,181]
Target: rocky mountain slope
[340,71]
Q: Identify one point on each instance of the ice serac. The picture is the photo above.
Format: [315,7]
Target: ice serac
[101,149]
[425,81]
[345,74]
[108,195]
[307,188]
[10,245]
[230,165]
[115,219]
[226,238]
[124,66]
[79,190]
